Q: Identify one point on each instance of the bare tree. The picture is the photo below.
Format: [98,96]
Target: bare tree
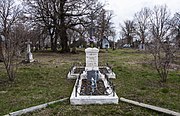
[60,15]
[9,14]
[141,24]
[160,45]
[175,29]
[41,13]
[128,31]
[104,25]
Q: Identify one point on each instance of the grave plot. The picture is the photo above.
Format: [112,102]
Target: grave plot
[92,82]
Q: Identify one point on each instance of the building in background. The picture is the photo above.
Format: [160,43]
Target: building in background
[105,42]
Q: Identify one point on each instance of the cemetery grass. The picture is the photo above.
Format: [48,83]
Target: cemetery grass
[45,80]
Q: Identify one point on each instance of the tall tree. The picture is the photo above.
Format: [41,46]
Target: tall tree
[128,31]
[175,29]
[161,48]
[141,24]
[59,16]
[42,13]
[105,27]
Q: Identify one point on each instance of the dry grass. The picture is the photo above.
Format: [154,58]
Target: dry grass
[45,80]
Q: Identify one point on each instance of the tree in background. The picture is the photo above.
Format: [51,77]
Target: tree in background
[58,16]
[9,16]
[128,31]
[175,29]
[141,20]
[104,25]
[160,46]
[160,31]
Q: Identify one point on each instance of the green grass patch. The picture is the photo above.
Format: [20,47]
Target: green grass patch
[45,80]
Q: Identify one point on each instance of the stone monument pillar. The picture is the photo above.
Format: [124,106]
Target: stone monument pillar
[91,59]
[29,56]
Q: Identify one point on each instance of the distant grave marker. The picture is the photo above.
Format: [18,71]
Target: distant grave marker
[29,56]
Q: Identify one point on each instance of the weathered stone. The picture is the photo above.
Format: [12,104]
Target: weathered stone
[92,86]
[29,56]
[91,59]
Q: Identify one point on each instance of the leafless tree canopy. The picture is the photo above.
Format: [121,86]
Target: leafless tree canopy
[161,33]
[175,29]
[128,31]
[59,16]
[9,16]
[141,24]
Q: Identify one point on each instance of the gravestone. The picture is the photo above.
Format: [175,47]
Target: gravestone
[92,86]
[29,56]
[91,59]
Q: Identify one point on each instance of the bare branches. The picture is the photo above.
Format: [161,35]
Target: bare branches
[9,15]
[160,47]
[161,34]
[128,31]
[62,15]
[141,25]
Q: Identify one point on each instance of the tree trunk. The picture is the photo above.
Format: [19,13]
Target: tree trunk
[143,43]
[64,42]
[1,52]
[52,45]
[53,42]
[10,69]
[63,29]
[11,73]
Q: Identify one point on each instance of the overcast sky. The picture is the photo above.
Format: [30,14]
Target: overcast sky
[125,9]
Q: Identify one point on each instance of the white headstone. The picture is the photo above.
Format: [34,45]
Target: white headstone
[28,48]
[91,59]
[29,56]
